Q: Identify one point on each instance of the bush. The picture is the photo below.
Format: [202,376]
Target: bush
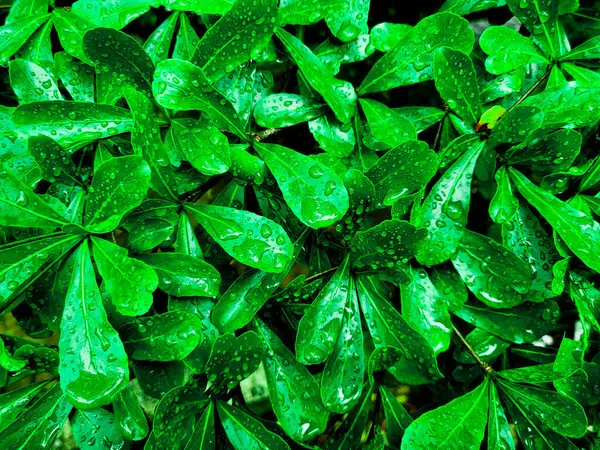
[286,224]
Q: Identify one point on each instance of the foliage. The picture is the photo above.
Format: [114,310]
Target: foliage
[388,224]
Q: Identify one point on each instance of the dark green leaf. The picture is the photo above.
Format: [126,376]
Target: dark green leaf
[96,429]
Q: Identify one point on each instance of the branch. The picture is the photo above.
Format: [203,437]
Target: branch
[528,93]
[482,364]
[325,272]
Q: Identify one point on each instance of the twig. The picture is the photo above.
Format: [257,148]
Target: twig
[528,93]
[482,364]
[262,135]
[438,135]
[321,274]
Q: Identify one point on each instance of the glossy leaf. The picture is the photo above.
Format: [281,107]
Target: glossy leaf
[94,364]
[386,125]
[114,13]
[508,50]
[14,34]
[129,415]
[96,429]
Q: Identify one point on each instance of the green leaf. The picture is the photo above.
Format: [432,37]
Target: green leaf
[385,36]
[293,391]
[13,403]
[508,50]
[249,238]
[183,86]
[156,379]
[350,21]
[31,82]
[114,13]
[77,77]
[129,282]
[158,44]
[386,125]
[397,419]
[444,211]
[164,337]
[121,57]
[341,384]
[539,374]
[389,329]
[448,283]
[21,207]
[306,12]
[71,123]
[338,94]
[220,50]
[39,425]
[14,34]
[540,18]
[558,412]
[487,346]
[422,117]
[425,310]
[233,359]
[71,28]
[495,275]
[53,160]
[500,436]
[580,232]
[245,432]
[579,386]
[186,241]
[129,415]
[315,194]
[203,145]
[463,7]
[460,423]
[96,379]
[456,81]
[186,40]
[516,125]
[504,205]
[22,263]
[520,324]
[119,186]
[411,59]
[321,324]
[285,110]
[96,429]
[183,275]
[389,245]
[22,9]
[402,172]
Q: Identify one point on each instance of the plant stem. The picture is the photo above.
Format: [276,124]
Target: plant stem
[482,364]
[325,272]
[528,93]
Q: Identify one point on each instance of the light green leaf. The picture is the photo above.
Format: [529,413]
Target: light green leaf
[129,282]
[285,110]
[77,77]
[186,40]
[13,403]
[508,50]
[120,57]
[464,7]
[31,82]
[129,415]
[249,238]
[460,423]
[385,36]
[540,18]
[14,35]
[221,50]
[520,324]
[119,185]
[113,13]
[21,9]
[339,95]
[580,232]
[349,21]
[487,346]
[95,379]
[71,28]
[245,432]
[444,211]
[389,329]
[293,391]
[71,123]
[183,275]
[386,125]
[425,310]
[397,419]
[183,86]
[410,61]
[163,337]
[158,44]
[342,382]
[456,81]
[315,194]
[557,411]
[495,275]
[504,205]
[96,430]
[306,12]
[321,324]
[500,436]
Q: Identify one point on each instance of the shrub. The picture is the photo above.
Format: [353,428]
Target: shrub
[286,224]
